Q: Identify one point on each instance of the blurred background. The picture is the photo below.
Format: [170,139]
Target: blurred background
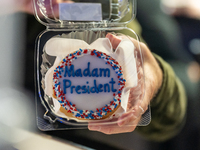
[171,28]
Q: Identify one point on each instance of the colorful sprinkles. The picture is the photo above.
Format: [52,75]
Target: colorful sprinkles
[70,107]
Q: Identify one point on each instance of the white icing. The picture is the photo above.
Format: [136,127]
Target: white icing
[93,100]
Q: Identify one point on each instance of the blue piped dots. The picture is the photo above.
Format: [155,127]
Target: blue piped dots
[81,111]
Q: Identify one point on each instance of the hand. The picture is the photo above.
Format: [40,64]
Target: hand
[153,81]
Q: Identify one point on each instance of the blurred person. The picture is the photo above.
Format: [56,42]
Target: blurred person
[169,36]
[161,32]
[187,8]
[187,15]
[16,109]
[163,35]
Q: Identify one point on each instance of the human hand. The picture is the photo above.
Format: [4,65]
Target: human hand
[153,81]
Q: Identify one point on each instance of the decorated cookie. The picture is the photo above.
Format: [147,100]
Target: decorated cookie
[88,84]
[93,82]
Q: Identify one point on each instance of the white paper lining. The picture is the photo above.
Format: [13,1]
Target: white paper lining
[124,54]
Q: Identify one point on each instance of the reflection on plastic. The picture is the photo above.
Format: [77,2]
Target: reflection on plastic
[80,11]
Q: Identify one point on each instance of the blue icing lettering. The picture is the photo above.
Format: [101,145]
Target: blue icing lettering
[94,89]
[112,82]
[69,72]
[95,72]
[77,89]
[86,72]
[65,86]
[88,87]
[106,86]
[78,73]
[100,88]
[104,71]
[72,89]
[83,89]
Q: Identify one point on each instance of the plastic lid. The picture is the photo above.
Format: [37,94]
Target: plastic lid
[65,13]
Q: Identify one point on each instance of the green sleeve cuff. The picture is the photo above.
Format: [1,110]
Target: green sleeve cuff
[168,107]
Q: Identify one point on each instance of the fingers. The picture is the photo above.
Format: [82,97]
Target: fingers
[130,118]
[126,124]
[114,40]
[152,73]
[112,129]
[128,121]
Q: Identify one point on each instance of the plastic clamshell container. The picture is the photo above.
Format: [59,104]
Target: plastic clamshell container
[85,21]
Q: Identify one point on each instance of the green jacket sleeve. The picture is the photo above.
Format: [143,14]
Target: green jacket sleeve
[168,107]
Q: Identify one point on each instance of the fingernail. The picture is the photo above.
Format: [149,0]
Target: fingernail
[125,120]
[121,123]
[94,128]
[108,35]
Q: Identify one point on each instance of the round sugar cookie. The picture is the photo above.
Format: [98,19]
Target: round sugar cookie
[88,85]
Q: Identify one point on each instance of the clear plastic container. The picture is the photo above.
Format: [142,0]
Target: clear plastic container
[74,28]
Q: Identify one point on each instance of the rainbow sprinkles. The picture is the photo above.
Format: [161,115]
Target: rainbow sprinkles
[63,86]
